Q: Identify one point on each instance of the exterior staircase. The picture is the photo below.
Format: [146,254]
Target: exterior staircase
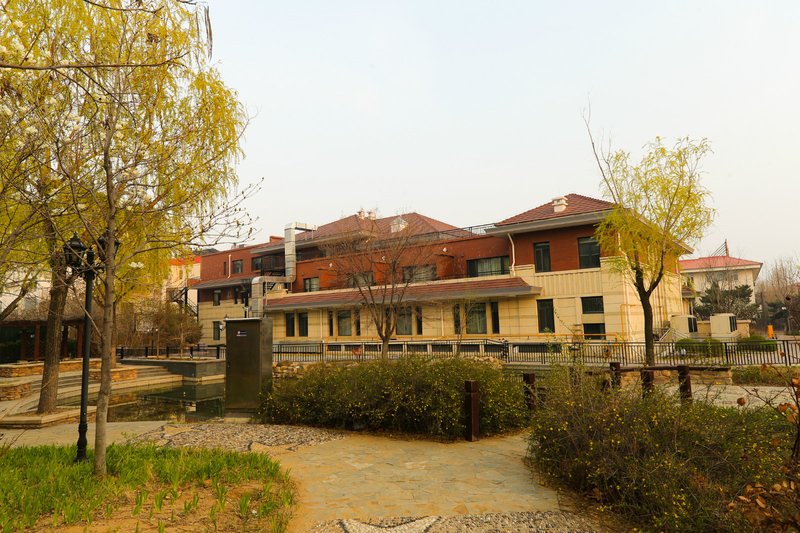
[73,379]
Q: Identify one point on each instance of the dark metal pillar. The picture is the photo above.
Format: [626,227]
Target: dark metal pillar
[83,424]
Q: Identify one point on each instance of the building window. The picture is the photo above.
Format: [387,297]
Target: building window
[216,329]
[541,256]
[594,331]
[364,279]
[357,321]
[495,308]
[238,267]
[692,324]
[476,319]
[592,305]
[344,323]
[547,319]
[311,284]
[403,326]
[330,323]
[255,264]
[289,324]
[490,266]
[236,295]
[413,274]
[216,296]
[419,320]
[457,319]
[302,324]
[732,320]
[588,252]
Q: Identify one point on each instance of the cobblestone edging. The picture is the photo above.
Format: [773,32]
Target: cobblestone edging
[238,437]
[545,521]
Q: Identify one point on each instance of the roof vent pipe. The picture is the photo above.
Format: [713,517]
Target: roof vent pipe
[289,250]
[559,204]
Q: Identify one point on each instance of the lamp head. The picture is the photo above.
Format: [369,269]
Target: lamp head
[74,251]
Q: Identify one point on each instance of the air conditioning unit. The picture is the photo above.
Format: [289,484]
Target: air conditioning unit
[685,325]
[723,326]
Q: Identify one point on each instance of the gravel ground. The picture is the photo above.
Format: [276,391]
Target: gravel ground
[239,437]
[550,522]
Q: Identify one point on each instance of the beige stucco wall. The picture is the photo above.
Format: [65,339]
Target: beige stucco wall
[518,315]
[208,313]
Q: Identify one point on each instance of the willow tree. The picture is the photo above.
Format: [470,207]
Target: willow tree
[153,163]
[660,210]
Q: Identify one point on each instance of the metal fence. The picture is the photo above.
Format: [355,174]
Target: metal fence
[205,351]
[696,352]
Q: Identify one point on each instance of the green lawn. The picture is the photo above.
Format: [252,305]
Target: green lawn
[146,487]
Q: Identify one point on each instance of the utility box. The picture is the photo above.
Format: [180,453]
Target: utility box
[723,326]
[248,362]
[684,324]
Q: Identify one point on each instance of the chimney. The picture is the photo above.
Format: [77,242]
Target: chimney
[372,214]
[559,204]
[360,214]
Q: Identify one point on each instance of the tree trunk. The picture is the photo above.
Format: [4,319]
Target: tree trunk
[385,348]
[649,341]
[106,348]
[48,396]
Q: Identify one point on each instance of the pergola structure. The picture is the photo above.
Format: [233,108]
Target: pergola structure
[31,336]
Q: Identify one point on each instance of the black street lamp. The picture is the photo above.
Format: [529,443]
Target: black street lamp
[81,260]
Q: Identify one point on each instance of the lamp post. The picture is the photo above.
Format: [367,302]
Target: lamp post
[81,260]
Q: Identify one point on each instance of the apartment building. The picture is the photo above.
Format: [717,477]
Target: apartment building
[534,275]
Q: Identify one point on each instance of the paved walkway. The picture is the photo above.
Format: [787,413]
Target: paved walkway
[364,477]
[66,434]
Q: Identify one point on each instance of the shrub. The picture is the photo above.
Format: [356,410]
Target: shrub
[669,466]
[778,376]
[701,348]
[757,343]
[413,394]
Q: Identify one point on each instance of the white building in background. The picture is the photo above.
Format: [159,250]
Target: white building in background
[727,271]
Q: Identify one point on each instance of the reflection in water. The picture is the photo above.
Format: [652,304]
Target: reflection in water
[186,403]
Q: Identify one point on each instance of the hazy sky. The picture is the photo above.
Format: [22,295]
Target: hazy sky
[470,112]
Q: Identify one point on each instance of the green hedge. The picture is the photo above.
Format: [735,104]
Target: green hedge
[667,466]
[757,343]
[412,395]
[701,348]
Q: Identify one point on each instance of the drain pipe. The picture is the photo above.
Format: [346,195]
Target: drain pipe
[513,254]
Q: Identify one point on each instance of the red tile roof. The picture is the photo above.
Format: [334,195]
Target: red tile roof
[717,261]
[474,288]
[216,283]
[576,205]
[419,224]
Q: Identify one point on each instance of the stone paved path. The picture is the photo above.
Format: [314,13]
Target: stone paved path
[362,477]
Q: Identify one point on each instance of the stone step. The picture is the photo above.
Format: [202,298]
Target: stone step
[74,379]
